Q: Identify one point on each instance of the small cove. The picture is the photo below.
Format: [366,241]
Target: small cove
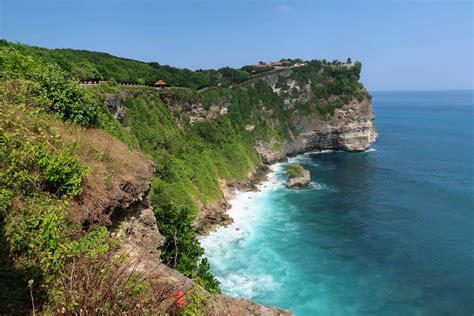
[388,231]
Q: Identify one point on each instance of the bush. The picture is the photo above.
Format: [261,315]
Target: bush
[36,233]
[61,94]
[29,163]
[182,250]
[63,172]
[295,170]
[109,283]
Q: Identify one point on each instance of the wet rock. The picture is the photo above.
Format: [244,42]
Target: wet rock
[302,181]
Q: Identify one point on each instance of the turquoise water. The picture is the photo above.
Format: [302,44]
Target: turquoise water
[386,232]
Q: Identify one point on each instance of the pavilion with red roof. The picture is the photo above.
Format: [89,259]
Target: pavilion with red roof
[161,84]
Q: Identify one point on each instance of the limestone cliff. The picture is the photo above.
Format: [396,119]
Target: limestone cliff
[281,114]
[130,216]
[351,128]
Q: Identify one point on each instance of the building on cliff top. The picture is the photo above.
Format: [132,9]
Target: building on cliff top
[161,84]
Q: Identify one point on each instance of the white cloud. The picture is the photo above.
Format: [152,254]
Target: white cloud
[285,8]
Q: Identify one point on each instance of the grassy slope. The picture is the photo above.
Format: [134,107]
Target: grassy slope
[53,162]
[40,217]
[189,159]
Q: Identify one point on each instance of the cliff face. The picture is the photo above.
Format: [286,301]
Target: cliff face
[351,128]
[279,115]
[136,222]
[62,181]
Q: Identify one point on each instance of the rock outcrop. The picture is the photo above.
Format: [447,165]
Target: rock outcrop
[350,128]
[131,216]
[302,181]
[116,105]
[215,214]
[212,216]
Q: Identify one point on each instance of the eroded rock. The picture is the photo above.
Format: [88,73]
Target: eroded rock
[302,181]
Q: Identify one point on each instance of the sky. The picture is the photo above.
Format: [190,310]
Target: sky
[403,45]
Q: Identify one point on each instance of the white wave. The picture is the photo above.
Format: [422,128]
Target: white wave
[247,285]
[303,158]
[370,150]
[326,151]
[317,186]
[247,209]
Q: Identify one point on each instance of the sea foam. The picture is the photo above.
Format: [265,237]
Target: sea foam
[247,209]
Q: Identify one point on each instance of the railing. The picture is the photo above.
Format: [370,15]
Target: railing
[89,83]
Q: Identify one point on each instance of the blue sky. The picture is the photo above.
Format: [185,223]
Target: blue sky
[403,45]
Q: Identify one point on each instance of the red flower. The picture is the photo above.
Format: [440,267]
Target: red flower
[180,299]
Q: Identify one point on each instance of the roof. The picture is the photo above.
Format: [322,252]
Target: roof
[160,83]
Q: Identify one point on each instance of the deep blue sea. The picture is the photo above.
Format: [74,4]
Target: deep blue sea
[385,232]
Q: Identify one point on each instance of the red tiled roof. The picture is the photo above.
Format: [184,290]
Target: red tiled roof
[160,83]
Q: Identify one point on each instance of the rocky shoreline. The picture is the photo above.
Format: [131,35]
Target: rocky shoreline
[351,128]
[135,222]
[215,215]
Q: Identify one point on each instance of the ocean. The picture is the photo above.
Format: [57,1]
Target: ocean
[386,232]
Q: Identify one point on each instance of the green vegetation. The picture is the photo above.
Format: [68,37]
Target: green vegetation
[46,162]
[86,65]
[295,170]
[39,176]
[52,88]
[55,147]
[277,147]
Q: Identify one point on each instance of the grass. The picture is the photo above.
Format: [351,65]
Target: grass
[54,176]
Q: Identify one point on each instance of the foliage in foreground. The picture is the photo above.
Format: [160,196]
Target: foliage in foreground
[108,283]
[42,172]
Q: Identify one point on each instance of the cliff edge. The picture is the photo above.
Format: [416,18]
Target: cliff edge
[136,225]
[351,128]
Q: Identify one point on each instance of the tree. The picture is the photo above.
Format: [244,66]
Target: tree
[182,250]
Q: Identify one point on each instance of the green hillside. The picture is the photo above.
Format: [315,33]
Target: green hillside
[194,138]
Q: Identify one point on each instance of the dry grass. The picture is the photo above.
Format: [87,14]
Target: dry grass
[111,284]
[117,176]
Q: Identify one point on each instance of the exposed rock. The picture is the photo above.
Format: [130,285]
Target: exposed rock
[249,127]
[351,128]
[212,216]
[225,305]
[105,190]
[138,225]
[116,105]
[302,181]
[143,240]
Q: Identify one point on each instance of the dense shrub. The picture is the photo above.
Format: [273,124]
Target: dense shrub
[182,250]
[295,170]
[59,93]
[63,172]
[86,65]
[29,163]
